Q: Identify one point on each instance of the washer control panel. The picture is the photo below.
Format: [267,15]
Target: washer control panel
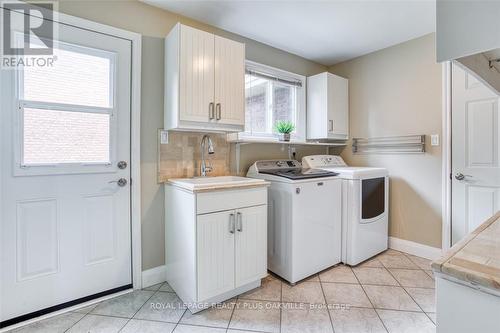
[278,164]
[322,161]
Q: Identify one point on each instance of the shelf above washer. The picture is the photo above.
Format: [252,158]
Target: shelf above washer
[231,138]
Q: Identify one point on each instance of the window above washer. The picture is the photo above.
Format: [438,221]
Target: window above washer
[273,95]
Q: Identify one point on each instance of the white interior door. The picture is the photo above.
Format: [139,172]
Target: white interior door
[475,153]
[65,231]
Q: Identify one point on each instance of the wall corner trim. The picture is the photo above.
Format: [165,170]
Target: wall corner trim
[154,276]
[416,249]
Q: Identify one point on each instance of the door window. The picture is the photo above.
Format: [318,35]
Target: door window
[66,111]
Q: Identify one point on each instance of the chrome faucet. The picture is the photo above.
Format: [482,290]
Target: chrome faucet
[204,168]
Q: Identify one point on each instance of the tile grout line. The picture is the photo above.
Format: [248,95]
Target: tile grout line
[154,293]
[178,322]
[327,307]
[375,284]
[402,287]
[374,309]
[232,313]
[85,315]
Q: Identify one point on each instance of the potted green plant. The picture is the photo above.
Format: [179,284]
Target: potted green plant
[284,129]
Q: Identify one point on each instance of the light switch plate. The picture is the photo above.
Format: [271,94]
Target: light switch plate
[435,140]
[163,137]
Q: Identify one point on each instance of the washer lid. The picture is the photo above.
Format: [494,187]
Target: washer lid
[300,173]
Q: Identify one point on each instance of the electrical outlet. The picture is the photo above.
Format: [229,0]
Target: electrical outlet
[435,140]
[163,137]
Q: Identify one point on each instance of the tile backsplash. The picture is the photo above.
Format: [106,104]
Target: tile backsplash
[181,157]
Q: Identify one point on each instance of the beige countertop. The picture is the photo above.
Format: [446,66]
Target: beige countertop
[476,258]
[205,184]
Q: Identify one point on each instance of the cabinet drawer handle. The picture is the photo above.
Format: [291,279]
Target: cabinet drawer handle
[211,110]
[231,223]
[218,113]
[239,220]
[331,125]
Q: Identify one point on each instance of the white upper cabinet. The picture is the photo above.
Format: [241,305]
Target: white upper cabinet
[229,82]
[327,107]
[204,81]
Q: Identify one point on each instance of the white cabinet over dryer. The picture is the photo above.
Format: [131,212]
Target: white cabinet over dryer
[204,81]
[327,107]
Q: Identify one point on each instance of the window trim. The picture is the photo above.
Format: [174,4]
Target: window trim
[22,169]
[301,124]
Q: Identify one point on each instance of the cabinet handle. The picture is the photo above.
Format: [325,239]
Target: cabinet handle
[239,219]
[218,111]
[331,125]
[211,110]
[231,223]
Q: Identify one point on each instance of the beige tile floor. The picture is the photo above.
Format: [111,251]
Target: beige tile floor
[394,292]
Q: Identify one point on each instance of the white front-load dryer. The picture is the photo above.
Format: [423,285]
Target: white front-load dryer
[365,207]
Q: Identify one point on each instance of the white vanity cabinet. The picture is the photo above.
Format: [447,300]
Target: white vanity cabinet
[204,81]
[216,242]
[327,107]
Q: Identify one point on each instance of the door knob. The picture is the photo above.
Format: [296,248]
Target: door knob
[122,165]
[461,176]
[120,182]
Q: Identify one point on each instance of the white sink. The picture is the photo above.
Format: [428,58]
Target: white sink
[204,183]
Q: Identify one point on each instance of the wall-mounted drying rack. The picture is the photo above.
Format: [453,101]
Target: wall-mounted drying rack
[390,145]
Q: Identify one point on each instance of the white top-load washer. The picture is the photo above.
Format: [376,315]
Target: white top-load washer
[365,208]
[304,218]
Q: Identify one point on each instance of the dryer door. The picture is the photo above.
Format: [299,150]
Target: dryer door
[373,199]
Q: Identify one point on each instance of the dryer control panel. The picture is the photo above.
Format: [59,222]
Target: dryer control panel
[323,161]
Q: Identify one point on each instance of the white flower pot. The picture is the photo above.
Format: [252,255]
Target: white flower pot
[284,137]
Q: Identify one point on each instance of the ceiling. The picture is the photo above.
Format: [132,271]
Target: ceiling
[326,32]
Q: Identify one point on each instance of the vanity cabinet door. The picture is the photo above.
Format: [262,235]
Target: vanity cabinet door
[251,244]
[215,253]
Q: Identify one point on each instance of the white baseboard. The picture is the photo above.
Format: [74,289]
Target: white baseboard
[416,249]
[154,276]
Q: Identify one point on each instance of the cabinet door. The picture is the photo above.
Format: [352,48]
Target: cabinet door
[215,254]
[251,244]
[196,78]
[338,107]
[229,81]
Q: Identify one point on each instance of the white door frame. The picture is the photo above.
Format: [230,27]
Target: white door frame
[135,163]
[446,156]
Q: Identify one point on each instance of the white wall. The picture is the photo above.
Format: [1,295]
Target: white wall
[466,27]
